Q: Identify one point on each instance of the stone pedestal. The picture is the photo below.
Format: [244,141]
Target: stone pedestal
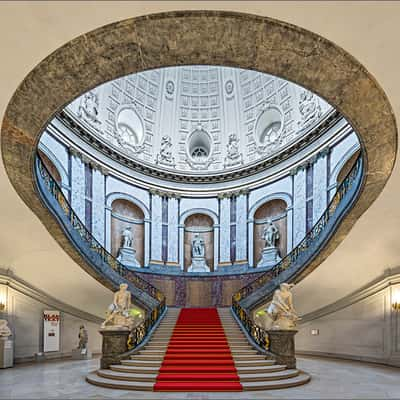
[81,354]
[281,345]
[115,342]
[198,265]
[6,352]
[269,257]
[127,256]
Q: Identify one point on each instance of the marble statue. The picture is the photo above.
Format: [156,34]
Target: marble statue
[89,108]
[4,329]
[198,247]
[233,157]
[198,255]
[83,338]
[270,252]
[126,253]
[119,310]
[309,108]
[165,156]
[270,234]
[127,237]
[281,309]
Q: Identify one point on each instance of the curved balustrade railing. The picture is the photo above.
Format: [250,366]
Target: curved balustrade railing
[99,252]
[301,255]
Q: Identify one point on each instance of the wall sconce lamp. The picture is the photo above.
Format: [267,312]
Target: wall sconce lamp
[2,306]
[396,300]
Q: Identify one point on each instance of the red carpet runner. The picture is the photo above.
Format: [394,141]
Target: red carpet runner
[198,357]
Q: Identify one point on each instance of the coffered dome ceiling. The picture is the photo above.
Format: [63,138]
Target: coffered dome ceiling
[198,121]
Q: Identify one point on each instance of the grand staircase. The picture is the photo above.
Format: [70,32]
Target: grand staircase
[141,371]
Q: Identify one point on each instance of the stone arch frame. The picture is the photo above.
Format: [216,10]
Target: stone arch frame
[288,199]
[182,219]
[195,37]
[147,221]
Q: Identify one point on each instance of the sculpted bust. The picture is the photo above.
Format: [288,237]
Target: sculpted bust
[4,329]
[281,309]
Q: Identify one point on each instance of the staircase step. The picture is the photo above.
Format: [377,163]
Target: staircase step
[95,379]
[134,369]
[253,363]
[260,369]
[126,376]
[298,380]
[269,376]
[144,363]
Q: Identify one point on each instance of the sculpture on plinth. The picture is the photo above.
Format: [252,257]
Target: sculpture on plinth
[165,156]
[198,255]
[89,109]
[82,352]
[5,331]
[118,314]
[281,310]
[233,157]
[270,252]
[126,253]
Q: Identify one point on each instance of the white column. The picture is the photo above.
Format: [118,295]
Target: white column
[98,204]
[225,232]
[216,241]
[319,187]
[299,206]
[182,246]
[108,211]
[146,243]
[241,228]
[289,228]
[172,230]
[78,186]
[156,227]
[250,235]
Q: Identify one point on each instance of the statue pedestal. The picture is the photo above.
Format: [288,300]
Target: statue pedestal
[269,257]
[281,345]
[115,342]
[127,256]
[198,265]
[81,354]
[6,352]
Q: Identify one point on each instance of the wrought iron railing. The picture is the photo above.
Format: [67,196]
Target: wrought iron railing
[259,335]
[96,248]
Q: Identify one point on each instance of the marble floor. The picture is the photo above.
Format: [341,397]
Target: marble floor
[331,379]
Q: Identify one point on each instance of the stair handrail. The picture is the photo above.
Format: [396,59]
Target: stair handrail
[139,333]
[260,335]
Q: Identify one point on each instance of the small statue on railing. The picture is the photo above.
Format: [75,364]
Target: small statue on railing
[281,310]
[118,314]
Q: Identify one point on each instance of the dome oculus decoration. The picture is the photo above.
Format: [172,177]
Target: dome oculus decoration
[189,120]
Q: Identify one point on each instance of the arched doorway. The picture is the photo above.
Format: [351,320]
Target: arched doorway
[127,214]
[276,210]
[203,225]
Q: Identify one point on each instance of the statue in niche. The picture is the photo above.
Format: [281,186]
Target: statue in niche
[281,310]
[83,338]
[4,329]
[198,246]
[233,157]
[89,109]
[118,314]
[165,155]
[270,234]
[127,237]
[309,108]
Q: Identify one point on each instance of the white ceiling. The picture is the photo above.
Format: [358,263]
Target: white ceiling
[368,30]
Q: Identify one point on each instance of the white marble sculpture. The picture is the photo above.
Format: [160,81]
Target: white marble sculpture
[281,310]
[309,108]
[126,253]
[270,253]
[89,109]
[165,156]
[83,338]
[233,157]
[5,331]
[198,255]
[118,314]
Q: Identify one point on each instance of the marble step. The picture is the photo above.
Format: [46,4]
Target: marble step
[134,368]
[142,363]
[95,379]
[148,357]
[253,363]
[269,376]
[248,357]
[126,376]
[298,380]
[263,369]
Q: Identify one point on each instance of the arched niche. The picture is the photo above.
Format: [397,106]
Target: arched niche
[50,167]
[125,213]
[276,210]
[202,224]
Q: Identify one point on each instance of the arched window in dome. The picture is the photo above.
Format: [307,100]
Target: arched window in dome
[199,148]
[199,152]
[129,128]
